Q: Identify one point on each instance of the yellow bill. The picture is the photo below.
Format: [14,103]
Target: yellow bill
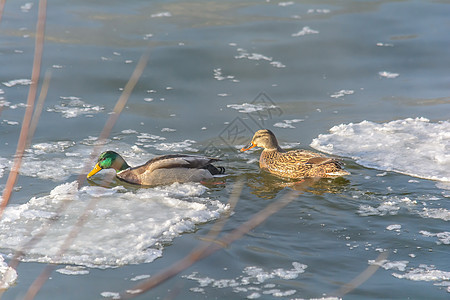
[94,171]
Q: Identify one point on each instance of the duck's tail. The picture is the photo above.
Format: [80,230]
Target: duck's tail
[327,167]
[334,168]
[215,170]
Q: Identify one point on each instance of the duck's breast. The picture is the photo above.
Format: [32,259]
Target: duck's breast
[268,159]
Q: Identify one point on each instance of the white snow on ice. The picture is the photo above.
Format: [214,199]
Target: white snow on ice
[253,282]
[123,227]
[250,108]
[72,107]
[416,147]
[7,275]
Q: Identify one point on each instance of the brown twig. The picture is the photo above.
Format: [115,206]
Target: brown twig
[2,7]
[121,102]
[45,274]
[210,248]
[39,106]
[39,47]
[232,201]
[36,238]
[216,228]
[361,278]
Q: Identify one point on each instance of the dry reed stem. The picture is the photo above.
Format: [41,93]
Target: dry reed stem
[361,278]
[232,201]
[2,7]
[121,102]
[31,128]
[210,248]
[39,106]
[39,47]
[24,136]
[215,245]
[45,274]
[216,228]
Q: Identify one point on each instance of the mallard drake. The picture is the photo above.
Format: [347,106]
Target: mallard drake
[295,163]
[160,170]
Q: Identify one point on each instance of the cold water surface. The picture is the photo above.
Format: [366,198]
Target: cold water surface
[366,81]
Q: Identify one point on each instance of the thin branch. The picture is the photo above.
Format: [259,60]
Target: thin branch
[361,278]
[2,7]
[39,106]
[39,47]
[121,102]
[45,274]
[210,248]
[232,201]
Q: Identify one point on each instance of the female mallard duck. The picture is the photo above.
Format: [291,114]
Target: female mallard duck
[161,170]
[295,163]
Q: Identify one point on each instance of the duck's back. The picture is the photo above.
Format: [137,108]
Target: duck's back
[168,169]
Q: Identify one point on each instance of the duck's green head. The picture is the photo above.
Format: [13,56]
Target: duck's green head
[107,160]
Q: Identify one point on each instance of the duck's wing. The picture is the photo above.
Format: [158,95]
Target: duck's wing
[311,158]
[304,163]
[301,157]
[321,160]
[179,161]
[165,165]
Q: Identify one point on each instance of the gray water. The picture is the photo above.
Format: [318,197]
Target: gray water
[316,64]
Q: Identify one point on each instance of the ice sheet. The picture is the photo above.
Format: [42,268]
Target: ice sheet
[7,275]
[123,227]
[416,147]
[253,283]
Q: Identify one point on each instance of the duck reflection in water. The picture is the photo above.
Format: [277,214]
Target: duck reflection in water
[267,186]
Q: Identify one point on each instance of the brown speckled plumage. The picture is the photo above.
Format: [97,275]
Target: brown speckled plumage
[295,163]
